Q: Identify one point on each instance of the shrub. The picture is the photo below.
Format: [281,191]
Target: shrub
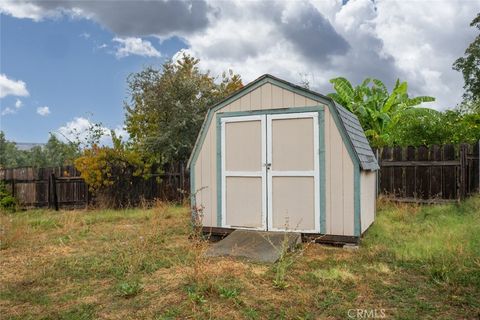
[7,201]
[111,172]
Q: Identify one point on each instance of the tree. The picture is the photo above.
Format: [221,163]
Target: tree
[167,107]
[428,127]
[469,65]
[377,109]
[10,156]
[420,127]
[58,153]
[54,153]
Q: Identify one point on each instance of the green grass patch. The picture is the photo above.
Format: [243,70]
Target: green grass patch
[441,241]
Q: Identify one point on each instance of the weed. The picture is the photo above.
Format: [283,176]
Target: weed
[63,240]
[283,263]
[198,245]
[45,223]
[251,313]
[228,293]
[128,289]
[170,314]
[196,297]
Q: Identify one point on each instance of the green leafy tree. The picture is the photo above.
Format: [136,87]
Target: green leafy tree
[469,65]
[58,153]
[10,156]
[167,107]
[428,127]
[464,127]
[36,157]
[377,109]
[419,127]
[54,153]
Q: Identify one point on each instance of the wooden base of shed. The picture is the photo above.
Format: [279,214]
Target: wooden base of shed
[218,233]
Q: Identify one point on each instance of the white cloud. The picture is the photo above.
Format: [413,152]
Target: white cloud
[12,110]
[9,87]
[43,111]
[79,127]
[135,46]
[424,47]
[121,132]
[125,18]
[411,40]
[23,10]
[416,41]
[18,104]
[85,35]
[8,110]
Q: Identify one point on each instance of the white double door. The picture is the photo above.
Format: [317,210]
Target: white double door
[270,172]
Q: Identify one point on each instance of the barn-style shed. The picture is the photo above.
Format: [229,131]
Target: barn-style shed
[275,156]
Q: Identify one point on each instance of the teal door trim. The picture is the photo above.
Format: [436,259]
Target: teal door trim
[321,150]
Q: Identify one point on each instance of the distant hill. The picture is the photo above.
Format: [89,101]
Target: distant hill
[25,146]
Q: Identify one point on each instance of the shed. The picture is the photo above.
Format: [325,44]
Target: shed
[275,156]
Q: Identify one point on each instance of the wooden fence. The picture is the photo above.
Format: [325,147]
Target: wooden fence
[429,174]
[419,174]
[62,187]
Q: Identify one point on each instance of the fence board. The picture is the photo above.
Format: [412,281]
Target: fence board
[385,178]
[410,179]
[397,174]
[473,168]
[422,183]
[435,172]
[449,190]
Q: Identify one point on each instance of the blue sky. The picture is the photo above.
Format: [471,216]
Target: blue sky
[65,62]
[66,68]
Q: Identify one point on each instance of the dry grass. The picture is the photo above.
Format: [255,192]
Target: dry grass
[416,262]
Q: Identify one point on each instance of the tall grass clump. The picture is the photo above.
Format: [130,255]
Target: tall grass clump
[441,240]
[198,283]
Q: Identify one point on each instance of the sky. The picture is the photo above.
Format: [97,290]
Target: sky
[64,63]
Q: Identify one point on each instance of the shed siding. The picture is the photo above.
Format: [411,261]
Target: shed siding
[368,180]
[338,164]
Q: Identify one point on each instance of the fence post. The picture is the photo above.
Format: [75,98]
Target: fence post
[54,191]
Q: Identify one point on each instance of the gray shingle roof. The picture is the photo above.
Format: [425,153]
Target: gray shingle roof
[359,140]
